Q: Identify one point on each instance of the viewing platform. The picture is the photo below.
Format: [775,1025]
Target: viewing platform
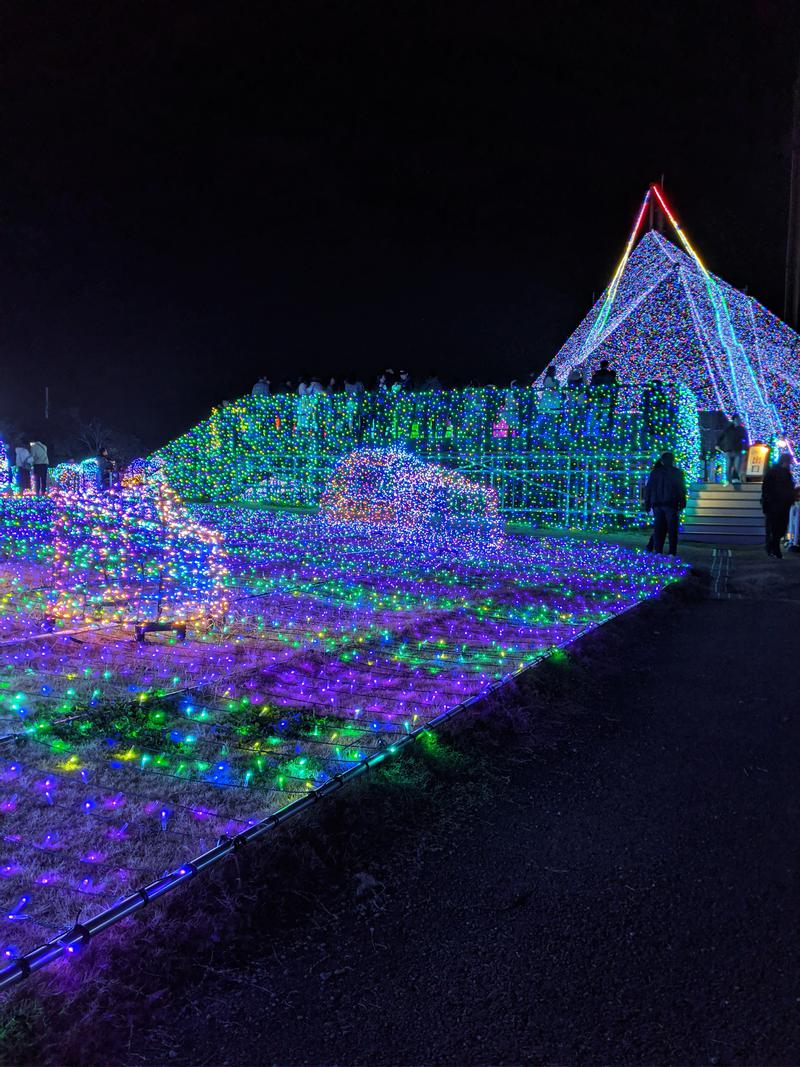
[576,459]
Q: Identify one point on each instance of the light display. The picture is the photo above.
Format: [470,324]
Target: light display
[134,556]
[395,492]
[579,464]
[135,474]
[332,643]
[129,759]
[665,317]
[76,477]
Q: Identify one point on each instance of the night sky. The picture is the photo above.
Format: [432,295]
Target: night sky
[193,195]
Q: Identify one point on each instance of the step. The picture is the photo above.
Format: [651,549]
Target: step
[718,509]
[742,519]
[732,495]
[721,509]
[734,527]
[744,488]
[721,539]
[745,522]
[749,532]
[744,499]
[738,507]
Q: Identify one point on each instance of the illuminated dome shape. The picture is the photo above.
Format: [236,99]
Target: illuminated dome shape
[666,317]
[393,491]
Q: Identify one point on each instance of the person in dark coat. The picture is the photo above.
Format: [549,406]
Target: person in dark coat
[105,470]
[649,547]
[604,375]
[733,441]
[665,496]
[777,497]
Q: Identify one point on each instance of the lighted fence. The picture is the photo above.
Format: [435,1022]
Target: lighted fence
[581,465]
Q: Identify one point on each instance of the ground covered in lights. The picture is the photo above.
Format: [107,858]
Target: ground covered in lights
[121,761]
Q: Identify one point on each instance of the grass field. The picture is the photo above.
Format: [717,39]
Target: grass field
[123,760]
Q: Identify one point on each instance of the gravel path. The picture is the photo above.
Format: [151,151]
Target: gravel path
[626,893]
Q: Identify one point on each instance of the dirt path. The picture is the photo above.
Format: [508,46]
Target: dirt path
[626,892]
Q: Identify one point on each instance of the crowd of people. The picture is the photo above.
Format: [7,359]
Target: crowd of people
[30,468]
[32,464]
[402,382]
[388,381]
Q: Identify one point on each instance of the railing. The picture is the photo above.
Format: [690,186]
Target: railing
[574,458]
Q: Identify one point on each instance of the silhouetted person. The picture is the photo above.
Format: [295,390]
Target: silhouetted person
[261,388]
[24,462]
[604,375]
[733,442]
[649,546]
[551,392]
[40,465]
[105,470]
[575,378]
[777,497]
[665,496]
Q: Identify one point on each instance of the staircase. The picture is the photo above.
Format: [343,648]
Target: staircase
[724,514]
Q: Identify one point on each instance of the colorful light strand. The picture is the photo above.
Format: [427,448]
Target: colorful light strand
[580,463]
[666,317]
[134,556]
[336,644]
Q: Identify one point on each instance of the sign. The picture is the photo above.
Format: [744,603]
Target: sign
[794,525]
[757,460]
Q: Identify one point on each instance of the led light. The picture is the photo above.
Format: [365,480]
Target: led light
[578,467]
[666,318]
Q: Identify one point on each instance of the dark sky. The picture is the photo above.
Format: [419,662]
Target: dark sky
[192,195]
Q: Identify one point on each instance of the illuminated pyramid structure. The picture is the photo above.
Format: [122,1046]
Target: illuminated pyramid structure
[666,317]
